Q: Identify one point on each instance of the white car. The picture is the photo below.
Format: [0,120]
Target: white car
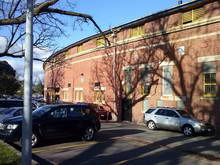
[173,119]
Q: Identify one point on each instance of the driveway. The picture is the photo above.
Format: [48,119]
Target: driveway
[121,143]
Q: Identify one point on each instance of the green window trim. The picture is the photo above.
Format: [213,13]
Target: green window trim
[137,31]
[80,48]
[209,85]
[192,15]
[100,42]
[99,96]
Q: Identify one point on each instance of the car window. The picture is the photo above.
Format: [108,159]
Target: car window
[18,112]
[183,113]
[150,110]
[162,112]
[11,103]
[172,113]
[42,110]
[6,111]
[74,111]
[58,112]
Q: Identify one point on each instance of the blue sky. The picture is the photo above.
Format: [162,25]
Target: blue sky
[110,13]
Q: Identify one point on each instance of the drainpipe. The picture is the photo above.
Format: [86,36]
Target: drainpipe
[114,36]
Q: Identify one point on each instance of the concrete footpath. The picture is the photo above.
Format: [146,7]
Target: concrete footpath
[207,147]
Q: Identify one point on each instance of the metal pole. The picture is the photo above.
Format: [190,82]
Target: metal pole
[28,71]
[114,35]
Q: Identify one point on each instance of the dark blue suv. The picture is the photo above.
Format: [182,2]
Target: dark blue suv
[55,121]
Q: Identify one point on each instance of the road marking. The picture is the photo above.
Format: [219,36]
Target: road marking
[63,147]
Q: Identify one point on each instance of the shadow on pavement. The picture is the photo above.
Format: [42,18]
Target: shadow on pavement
[176,148]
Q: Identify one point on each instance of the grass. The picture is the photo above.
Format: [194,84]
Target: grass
[8,156]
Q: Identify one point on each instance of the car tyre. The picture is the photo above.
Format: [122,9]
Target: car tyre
[88,134]
[151,125]
[34,140]
[188,130]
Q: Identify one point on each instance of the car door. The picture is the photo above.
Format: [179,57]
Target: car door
[74,119]
[55,123]
[160,118]
[172,121]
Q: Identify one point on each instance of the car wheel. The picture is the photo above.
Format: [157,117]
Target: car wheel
[151,125]
[88,134]
[34,140]
[188,130]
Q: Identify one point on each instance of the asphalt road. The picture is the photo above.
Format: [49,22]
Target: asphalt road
[117,144]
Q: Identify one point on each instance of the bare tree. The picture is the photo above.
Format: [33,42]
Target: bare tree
[49,23]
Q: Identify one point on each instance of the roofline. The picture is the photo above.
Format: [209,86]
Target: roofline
[166,12]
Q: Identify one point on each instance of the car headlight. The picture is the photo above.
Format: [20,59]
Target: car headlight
[12,126]
[201,124]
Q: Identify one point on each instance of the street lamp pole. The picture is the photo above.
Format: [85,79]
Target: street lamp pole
[28,72]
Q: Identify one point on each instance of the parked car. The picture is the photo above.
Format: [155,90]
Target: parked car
[11,112]
[8,103]
[103,113]
[173,119]
[54,121]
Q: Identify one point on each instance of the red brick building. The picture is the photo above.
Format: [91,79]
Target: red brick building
[170,58]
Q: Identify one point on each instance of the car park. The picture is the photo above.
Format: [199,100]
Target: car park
[54,121]
[173,119]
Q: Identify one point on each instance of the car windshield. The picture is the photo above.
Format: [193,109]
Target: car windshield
[183,113]
[42,110]
[7,111]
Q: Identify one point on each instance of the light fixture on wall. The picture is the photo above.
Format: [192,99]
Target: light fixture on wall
[181,50]
[81,77]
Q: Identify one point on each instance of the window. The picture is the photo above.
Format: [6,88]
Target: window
[167,80]
[68,53]
[80,48]
[150,110]
[172,113]
[99,96]
[100,42]
[75,111]
[18,112]
[65,95]
[145,80]
[192,15]
[137,31]
[79,95]
[161,112]
[128,80]
[209,80]
[59,113]
[210,84]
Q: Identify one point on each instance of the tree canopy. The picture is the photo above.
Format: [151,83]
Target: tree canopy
[8,81]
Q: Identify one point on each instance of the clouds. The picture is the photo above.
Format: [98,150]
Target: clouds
[18,63]
[3,44]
